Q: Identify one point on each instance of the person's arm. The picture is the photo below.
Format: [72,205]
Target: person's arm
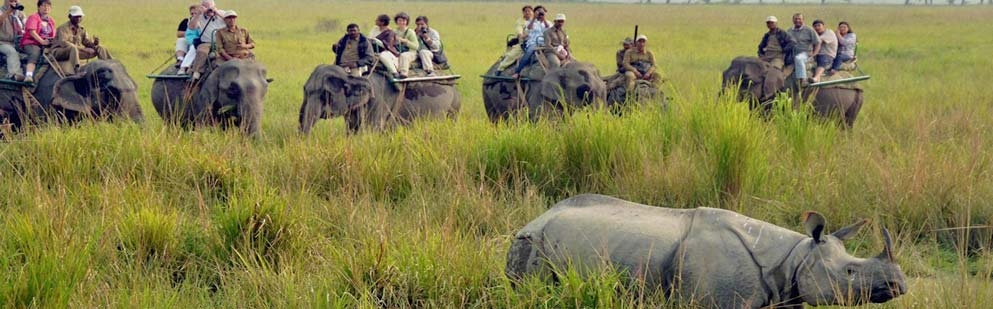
[219,41]
[651,69]
[249,42]
[433,40]
[817,44]
[763,43]
[410,40]
[627,63]
[6,16]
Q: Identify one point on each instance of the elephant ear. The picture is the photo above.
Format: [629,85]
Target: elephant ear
[773,83]
[551,86]
[72,93]
[359,86]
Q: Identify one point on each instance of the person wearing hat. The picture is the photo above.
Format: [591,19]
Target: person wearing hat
[39,33]
[208,22]
[233,42]
[776,44]
[534,39]
[639,63]
[620,53]
[73,44]
[557,43]
[407,43]
[11,29]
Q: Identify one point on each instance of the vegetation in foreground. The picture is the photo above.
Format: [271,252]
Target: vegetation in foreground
[121,215]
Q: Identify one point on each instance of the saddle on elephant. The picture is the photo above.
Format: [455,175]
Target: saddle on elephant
[847,77]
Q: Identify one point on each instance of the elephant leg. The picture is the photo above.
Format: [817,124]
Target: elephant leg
[853,111]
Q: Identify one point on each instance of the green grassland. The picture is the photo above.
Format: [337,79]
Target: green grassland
[120,215]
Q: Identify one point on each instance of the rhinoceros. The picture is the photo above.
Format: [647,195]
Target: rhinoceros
[704,256]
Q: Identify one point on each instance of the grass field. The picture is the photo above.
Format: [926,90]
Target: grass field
[118,215]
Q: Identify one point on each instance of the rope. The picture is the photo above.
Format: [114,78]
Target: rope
[54,65]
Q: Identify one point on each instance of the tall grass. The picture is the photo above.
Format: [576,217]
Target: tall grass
[111,214]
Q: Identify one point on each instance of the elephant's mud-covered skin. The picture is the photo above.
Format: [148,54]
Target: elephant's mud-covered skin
[373,102]
[101,89]
[758,82]
[232,94]
[546,93]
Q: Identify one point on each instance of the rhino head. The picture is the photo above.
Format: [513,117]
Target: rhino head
[827,275]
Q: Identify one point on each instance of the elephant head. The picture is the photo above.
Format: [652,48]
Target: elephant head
[233,92]
[100,89]
[572,85]
[331,92]
[753,80]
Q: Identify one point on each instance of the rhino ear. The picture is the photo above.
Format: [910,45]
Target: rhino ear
[887,254]
[849,231]
[814,223]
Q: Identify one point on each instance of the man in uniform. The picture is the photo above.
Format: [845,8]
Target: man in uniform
[72,43]
[776,44]
[353,52]
[233,42]
[639,63]
[11,30]
[626,44]
[806,43]
[557,43]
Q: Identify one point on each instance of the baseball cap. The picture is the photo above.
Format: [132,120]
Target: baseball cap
[230,13]
[75,10]
[771,19]
[627,40]
[642,37]
[559,16]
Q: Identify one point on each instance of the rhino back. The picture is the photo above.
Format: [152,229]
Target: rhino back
[589,229]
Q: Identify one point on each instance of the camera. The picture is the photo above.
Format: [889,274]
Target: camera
[19,7]
[424,30]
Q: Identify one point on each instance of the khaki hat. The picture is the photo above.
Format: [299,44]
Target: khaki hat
[627,40]
[230,13]
[559,17]
[75,10]
[771,19]
[642,37]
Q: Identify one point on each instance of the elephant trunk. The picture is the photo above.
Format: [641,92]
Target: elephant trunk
[310,111]
[250,111]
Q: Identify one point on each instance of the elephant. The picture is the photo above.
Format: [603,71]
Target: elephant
[372,102]
[644,91]
[101,89]
[572,85]
[758,82]
[231,94]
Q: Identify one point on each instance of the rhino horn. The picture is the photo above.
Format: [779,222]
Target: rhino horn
[887,254]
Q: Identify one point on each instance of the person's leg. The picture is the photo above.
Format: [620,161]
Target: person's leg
[631,78]
[200,59]
[838,61]
[513,54]
[427,60]
[184,66]
[102,53]
[181,48]
[13,59]
[34,54]
[800,66]
[389,61]
[405,59]
[526,60]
